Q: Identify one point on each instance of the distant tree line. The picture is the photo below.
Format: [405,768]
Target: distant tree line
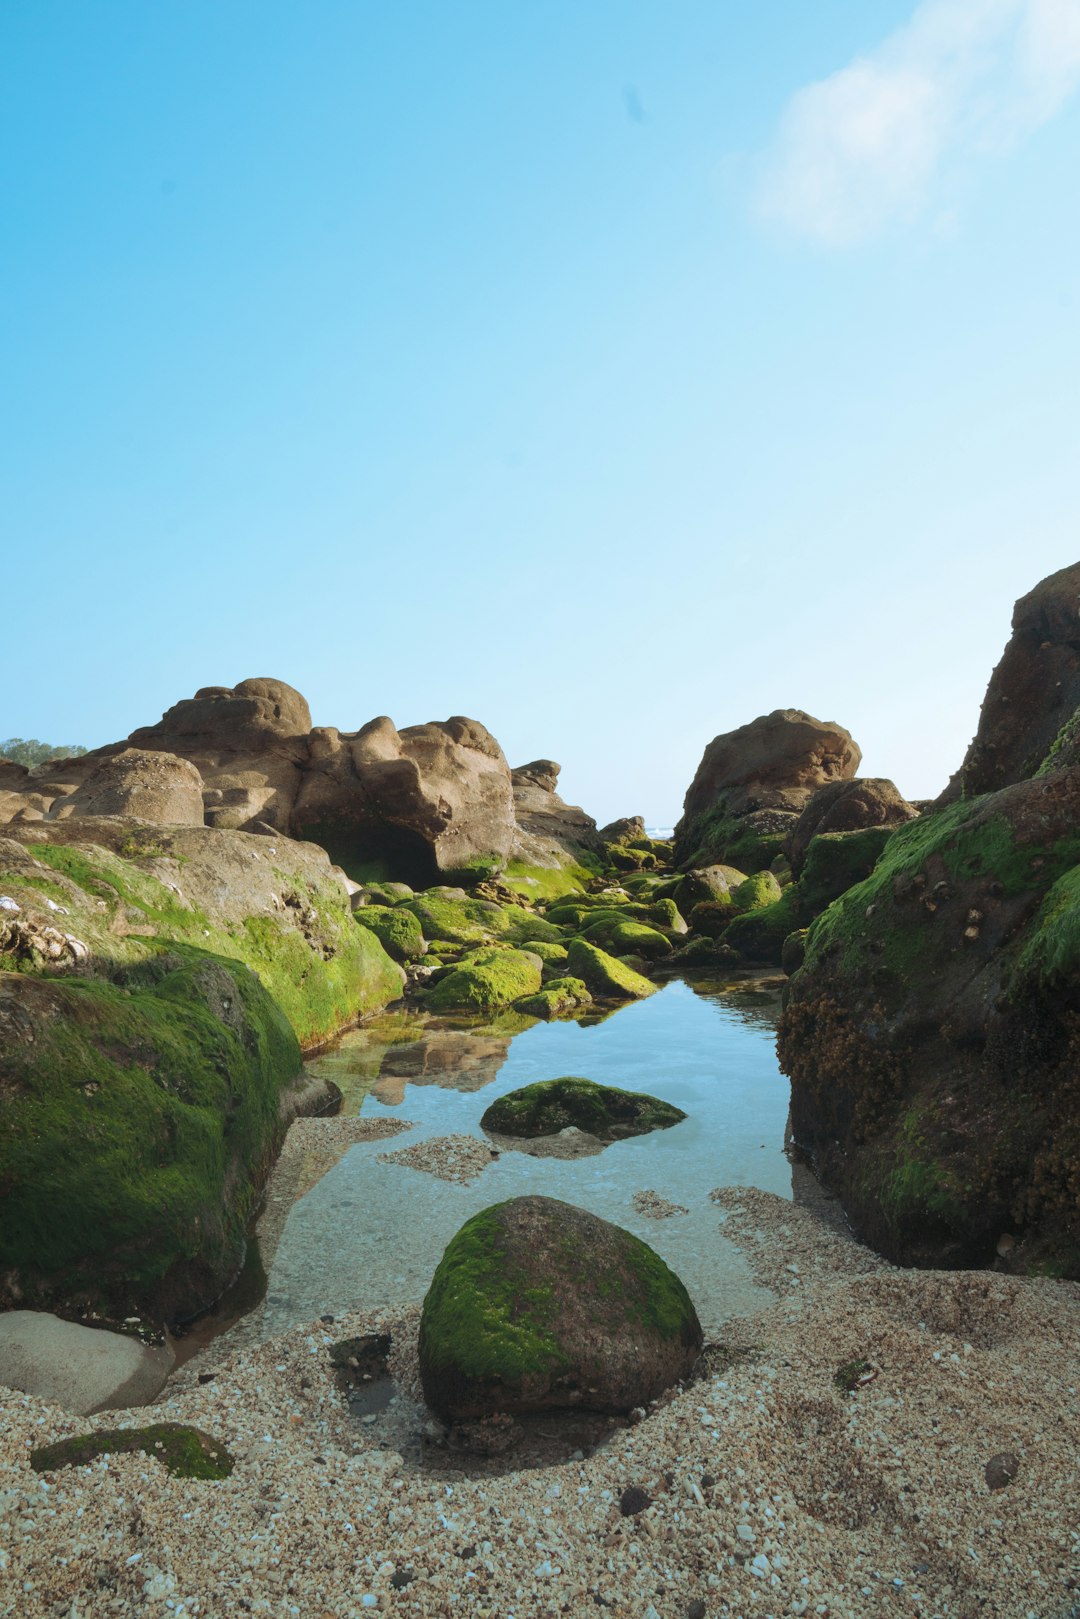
[30,752]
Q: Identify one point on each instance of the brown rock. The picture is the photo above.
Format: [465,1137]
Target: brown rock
[1002,1469]
[144,785]
[847,806]
[624,831]
[777,761]
[549,831]
[1033,691]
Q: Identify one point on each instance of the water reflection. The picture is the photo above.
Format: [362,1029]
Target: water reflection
[371,1232]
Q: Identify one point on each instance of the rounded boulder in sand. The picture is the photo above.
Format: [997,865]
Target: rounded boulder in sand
[538,1305]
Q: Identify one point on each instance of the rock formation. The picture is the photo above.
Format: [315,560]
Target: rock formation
[931,1034]
[549,830]
[428,801]
[150,1043]
[1033,693]
[847,806]
[538,1305]
[753,782]
[154,787]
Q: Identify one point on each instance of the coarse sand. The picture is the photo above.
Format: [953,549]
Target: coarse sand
[771,1490]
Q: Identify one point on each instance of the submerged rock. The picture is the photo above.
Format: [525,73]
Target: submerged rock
[604,1111]
[538,1305]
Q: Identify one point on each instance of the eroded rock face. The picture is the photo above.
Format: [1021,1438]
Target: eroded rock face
[250,742]
[1033,692]
[549,830]
[776,762]
[145,785]
[428,800]
[931,1034]
[538,1305]
[847,806]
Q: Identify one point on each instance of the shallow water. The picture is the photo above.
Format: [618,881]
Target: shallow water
[370,1234]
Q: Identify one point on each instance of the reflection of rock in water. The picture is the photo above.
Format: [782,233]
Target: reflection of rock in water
[754,1000]
[447,1057]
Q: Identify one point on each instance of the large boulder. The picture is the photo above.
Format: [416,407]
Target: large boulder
[538,1305]
[79,1368]
[753,782]
[627,830]
[932,1034]
[144,785]
[1033,693]
[847,806]
[159,986]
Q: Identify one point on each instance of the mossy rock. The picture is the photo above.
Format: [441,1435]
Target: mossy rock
[701,951]
[716,882]
[758,934]
[538,1305]
[606,977]
[550,883]
[526,928]
[719,838]
[604,1111]
[559,997]
[145,1093]
[139,1122]
[621,937]
[183,1451]
[553,956]
[381,894]
[284,915]
[760,889]
[711,916]
[449,913]
[487,981]
[931,1034]
[624,857]
[396,929]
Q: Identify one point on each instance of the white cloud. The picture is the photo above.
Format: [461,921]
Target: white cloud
[868,145]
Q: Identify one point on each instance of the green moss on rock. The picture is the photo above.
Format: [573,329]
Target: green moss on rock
[137,1125]
[396,929]
[603,975]
[559,997]
[486,981]
[622,937]
[604,1111]
[183,1451]
[536,1304]
[759,889]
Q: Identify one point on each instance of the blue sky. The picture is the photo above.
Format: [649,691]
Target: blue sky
[610,372]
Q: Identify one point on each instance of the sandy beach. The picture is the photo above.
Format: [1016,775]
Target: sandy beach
[771,1489]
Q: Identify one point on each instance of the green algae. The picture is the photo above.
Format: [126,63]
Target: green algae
[183,1451]
[605,976]
[396,929]
[605,1111]
[486,981]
